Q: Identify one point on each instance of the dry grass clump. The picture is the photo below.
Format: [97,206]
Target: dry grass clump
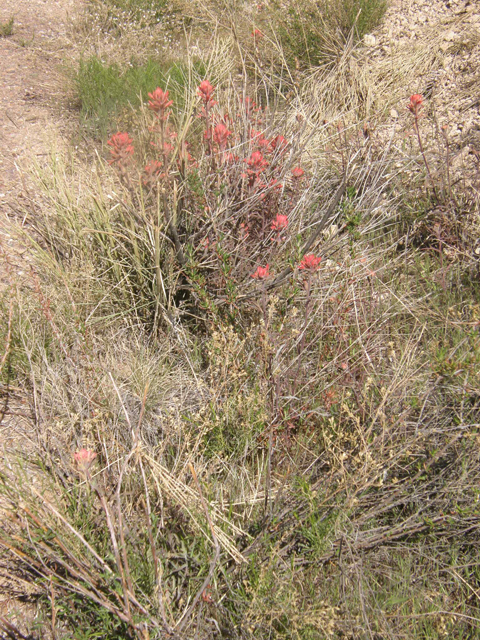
[282,33]
[253,381]
[90,396]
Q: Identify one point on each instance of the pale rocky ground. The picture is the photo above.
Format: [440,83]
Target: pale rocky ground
[452,86]
[34,116]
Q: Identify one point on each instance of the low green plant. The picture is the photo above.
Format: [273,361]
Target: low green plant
[6,28]
[78,545]
[360,15]
[105,91]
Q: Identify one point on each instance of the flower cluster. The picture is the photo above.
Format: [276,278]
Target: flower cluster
[256,164]
[220,135]
[205,91]
[261,273]
[159,103]
[310,263]
[280,223]
[415,104]
[298,173]
[152,172]
[121,149]
[257,137]
[262,201]
[84,459]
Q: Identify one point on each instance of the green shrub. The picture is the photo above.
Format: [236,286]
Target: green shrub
[361,15]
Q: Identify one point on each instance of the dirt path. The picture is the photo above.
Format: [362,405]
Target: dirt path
[32,117]
[30,100]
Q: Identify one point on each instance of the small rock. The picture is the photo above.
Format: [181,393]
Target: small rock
[370,40]
[450,36]
[393,113]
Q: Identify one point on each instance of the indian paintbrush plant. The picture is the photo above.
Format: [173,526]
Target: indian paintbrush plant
[215,204]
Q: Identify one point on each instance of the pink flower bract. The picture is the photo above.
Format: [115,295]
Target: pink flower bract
[84,458]
[310,262]
[220,135]
[205,91]
[261,273]
[259,138]
[256,162]
[280,222]
[415,103]
[152,171]
[121,148]
[159,101]
[298,172]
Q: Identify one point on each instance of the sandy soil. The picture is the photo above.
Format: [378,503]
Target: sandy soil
[30,100]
